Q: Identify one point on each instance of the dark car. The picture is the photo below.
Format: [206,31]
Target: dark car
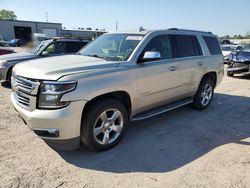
[4,51]
[48,48]
[239,62]
[15,43]
[225,41]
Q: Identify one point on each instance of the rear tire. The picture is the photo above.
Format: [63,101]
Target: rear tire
[204,94]
[104,124]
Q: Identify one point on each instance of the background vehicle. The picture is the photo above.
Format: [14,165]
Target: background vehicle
[225,41]
[2,41]
[4,51]
[124,76]
[15,43]
[46,48]
[239,62]
[228,49]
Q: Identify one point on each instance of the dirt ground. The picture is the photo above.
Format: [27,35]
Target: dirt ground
[181,148]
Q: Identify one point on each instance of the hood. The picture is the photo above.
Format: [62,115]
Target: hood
[53,68]
[18,56]
[241,56]
[226,53]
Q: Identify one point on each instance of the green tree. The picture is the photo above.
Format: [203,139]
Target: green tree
[247,35]
[226,37]
[238,37]
[7,15]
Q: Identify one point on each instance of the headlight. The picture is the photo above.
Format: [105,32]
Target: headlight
[52,92]
[2,63]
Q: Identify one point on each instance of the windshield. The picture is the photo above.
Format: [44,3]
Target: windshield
[113,47]
[246,49]
[39,47]
[228,48]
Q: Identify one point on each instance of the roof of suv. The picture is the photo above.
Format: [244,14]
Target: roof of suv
[65,40]
[146,31]
[70,40]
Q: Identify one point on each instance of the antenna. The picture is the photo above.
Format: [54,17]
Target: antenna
[47,19]
[116,25]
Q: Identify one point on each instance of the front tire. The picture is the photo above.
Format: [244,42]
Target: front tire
[8,78]
[204,95]
[104,124]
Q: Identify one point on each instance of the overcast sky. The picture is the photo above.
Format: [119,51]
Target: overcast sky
[219,16]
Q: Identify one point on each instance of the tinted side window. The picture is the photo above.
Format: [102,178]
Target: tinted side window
[160,44]
[186,46]
[60,48]
[213,45]
[73,47]
[56,48]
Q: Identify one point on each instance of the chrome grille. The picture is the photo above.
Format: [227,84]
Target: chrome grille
[22,99]
[25,91]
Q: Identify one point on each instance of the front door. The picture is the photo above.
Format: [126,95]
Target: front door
[157,81]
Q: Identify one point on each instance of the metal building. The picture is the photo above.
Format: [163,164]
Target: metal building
[24,29]
[20,29]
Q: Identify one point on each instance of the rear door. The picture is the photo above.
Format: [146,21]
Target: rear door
[190,58]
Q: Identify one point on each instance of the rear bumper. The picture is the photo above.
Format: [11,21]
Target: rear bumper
[59,128]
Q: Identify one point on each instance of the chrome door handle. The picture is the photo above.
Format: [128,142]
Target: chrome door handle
[200,63]
[173,68]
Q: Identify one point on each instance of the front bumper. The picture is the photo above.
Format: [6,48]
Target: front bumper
[237,67]
[63,124]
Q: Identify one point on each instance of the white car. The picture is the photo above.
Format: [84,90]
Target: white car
[227,50]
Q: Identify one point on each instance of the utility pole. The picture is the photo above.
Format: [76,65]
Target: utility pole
[116,25]
[47,19]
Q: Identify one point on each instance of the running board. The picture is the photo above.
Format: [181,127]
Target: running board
[162,109]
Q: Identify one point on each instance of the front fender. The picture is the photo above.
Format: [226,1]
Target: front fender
[96,85]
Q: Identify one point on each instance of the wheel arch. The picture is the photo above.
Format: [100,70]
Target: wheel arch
[211,75]
[121,96]
[8,72]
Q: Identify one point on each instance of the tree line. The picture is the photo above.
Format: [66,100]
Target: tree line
[247,36]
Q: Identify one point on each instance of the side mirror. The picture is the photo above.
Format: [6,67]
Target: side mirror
[45,53]
[150,56]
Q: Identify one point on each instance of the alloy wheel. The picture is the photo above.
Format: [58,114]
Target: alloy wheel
[108,126]
[206,94]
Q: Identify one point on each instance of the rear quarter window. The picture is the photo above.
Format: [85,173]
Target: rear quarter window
[213,45]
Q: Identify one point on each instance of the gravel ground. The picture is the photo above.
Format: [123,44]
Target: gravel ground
[181,148]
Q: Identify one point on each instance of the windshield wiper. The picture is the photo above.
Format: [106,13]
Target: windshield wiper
[97,56]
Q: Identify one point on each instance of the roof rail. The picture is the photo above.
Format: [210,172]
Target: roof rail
[177,29]
[69,38]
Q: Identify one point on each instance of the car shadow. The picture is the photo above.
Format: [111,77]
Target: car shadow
[6,84]
[171,140]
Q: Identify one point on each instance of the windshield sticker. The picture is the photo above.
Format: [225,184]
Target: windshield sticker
[134,37]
